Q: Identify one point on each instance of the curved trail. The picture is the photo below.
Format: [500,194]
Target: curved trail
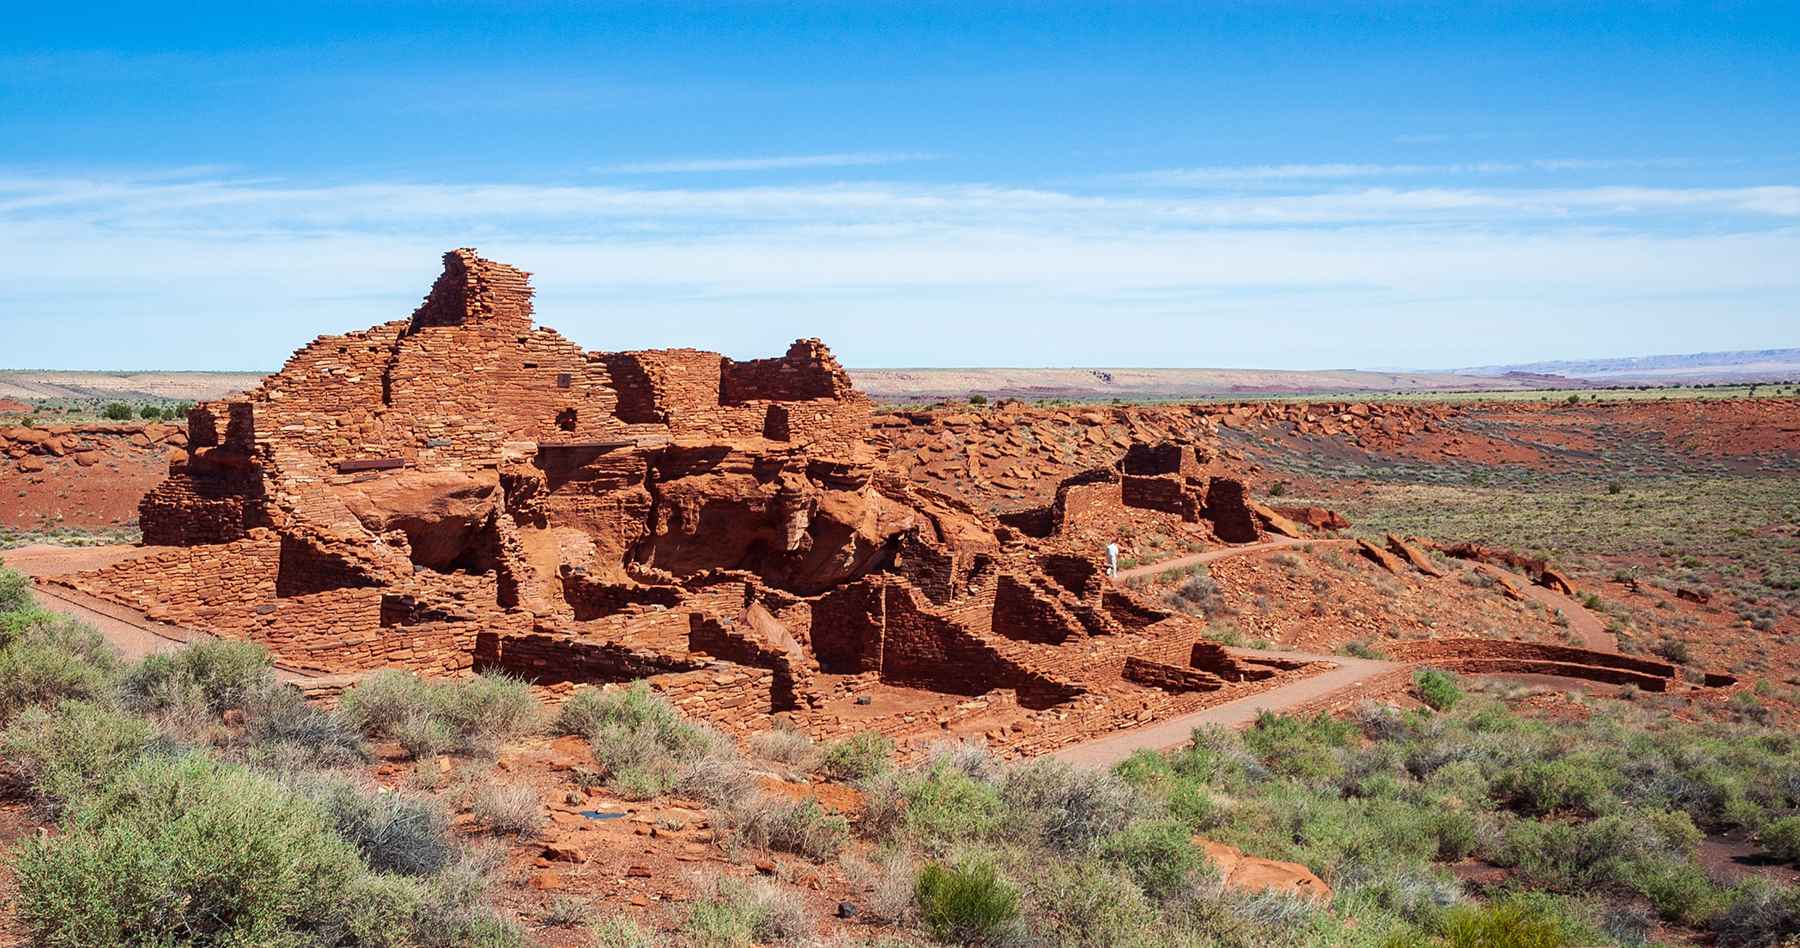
[1163,566]
[1348,675]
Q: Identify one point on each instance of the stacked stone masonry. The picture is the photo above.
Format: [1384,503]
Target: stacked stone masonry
[464,490]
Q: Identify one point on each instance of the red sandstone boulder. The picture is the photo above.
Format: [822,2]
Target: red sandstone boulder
[1382,558]
[1414,556]
[1253,874]
[1274,522]
[1318,518]
[1552,578]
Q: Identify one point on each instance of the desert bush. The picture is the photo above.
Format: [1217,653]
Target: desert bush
[784,746]
[62,754]
[889,876]
[1306,748]
[512,809]
[945,806]
[474,715]
[1362,649]
[488,710]
[1759,914]
[116,411]
[395,833]
[15,592]
[279,721]
[801,827]
[731,913]
[445,910]
[857,757]
[1089,903]
[567,911]
[380,702]
[224,672]
[1159,854]
[1544,787]
[1781,838]
[966,904]
[1437,689]
[1068,807]
[1510,923]
[646,749]
[619,931]
[423,735]
[47,658]
[142,861]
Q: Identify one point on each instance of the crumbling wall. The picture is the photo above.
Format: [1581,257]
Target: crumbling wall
[1227,506]
[806,371]
[847,628]
[923,649]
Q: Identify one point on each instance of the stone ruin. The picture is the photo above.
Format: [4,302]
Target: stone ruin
[464,490]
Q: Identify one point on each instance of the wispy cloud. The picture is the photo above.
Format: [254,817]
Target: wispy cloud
[1227,174]
[884,268]
[851,159]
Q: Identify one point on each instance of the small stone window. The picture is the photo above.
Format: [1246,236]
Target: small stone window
[563,379]
[565,419]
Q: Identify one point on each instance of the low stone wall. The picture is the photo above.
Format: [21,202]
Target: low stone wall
[1439,650]
[1169,677]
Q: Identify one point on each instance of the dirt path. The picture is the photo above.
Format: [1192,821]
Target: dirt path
[1163,566]
[1348,674]
[1583,624]
[1174,732]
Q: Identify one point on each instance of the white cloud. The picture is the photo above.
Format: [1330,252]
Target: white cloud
[1229,174]
[777,163]
[234,272]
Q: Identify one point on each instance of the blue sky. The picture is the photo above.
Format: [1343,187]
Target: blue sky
[1276,185]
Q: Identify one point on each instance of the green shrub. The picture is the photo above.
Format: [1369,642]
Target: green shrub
[1548,786]
[226,672]
[1511,923]
[47,658]
[1067,807]
[380,702]
[185,850]
[281,725]
[1759,914]
[65,753]
[474,715]
[646,749]
[15,592]
[1304,748]
[394,832]
[732,913]
[967,904]
[784,746]
[1437,689]
[801,827]
[857,757]
[1088,902]
[945,806]
[1159,854]
[489,710]
[423,735]
[149,412]
[116,411]
[1781,838]
[619,931]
